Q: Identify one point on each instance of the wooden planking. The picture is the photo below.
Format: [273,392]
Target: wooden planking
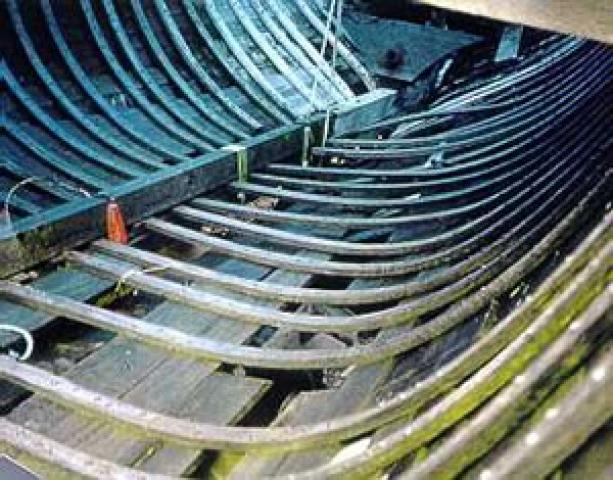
[54,460]
[34,464]
[359,390]
[356,393]
[177,460]
[135,373]
[76,285]
[130,370]
[214,400]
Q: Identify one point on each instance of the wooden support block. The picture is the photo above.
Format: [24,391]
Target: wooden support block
[363,110]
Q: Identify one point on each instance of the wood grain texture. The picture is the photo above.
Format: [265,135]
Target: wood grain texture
[587,18]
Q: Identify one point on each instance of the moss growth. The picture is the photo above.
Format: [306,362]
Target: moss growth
[224,464]
[478,396]
[420,455]
[40,467]
[110,297]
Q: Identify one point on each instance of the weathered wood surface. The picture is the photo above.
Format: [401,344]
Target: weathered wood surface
[587,18]
[357,392]
[145,376]
[567,186]
[76,285]
[50,459]
[178,460]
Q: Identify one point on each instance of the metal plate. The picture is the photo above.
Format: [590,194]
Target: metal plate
[418,46]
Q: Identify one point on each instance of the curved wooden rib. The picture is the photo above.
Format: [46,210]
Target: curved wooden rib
[294,32]
[184,49]
[452,282]
[558,344]
[507,338]
[88,86]
[97,155]
[275,58]
[124,41]
[158,116]
[496,418]
[221,123]
[330,267]
[533,118]
[234,69]
[55,161]
[583,410]
[70,459]
[244,59]
[287,359]
[338,91]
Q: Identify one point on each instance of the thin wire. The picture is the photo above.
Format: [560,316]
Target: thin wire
[9,196]
[323,48]
[50,181]
[339,19]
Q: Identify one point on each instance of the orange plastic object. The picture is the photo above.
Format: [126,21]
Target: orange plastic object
[115,225]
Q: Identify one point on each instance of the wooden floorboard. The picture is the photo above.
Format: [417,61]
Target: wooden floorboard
[143,375]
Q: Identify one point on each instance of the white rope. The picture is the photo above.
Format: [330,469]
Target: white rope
[27,336]
[324,46]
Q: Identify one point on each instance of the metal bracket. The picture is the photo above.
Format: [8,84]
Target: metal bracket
[307,141]
[326,132]
[242,161]
[510,43]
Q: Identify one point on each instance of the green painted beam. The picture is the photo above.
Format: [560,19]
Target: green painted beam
[44,236]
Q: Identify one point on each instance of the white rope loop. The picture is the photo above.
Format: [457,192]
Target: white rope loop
[27,336]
